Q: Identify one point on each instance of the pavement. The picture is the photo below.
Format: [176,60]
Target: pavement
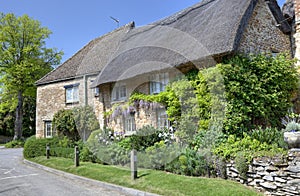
[125,190]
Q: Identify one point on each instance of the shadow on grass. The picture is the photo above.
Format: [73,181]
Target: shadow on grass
[142,175]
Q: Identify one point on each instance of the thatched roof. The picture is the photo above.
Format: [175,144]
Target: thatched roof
[207,29]
[90,59]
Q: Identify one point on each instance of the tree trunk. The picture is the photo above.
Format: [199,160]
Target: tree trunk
[19,117]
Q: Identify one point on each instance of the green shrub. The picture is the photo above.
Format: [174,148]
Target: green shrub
[85,120]
[59,147]
[37,147]
[292,127]
[270,136]
[144,138]
[15,144]
[64,124]
[241,164]
[249,146]
[258,90]
[62,152]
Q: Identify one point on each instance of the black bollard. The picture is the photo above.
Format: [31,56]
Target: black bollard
[47,151]
[76,156]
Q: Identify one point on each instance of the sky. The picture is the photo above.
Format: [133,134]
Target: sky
[76,22]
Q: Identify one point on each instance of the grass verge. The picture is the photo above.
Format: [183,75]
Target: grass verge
[153,181]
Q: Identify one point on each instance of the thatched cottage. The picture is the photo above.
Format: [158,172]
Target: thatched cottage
[106,71]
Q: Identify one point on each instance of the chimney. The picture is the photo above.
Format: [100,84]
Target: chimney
[297,11]
[297,30]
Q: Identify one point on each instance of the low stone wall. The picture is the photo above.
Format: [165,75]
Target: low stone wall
[273,176]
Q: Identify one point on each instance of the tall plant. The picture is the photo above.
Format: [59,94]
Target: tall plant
[259,89]
[23,60]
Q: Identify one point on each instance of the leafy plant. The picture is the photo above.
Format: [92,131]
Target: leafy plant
[249,146]
[269,136]
[241,164]
[15,144]
[85,120]
[64,124]
[292,127]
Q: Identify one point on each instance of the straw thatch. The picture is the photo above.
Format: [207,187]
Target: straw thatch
[199,33]
[208,29]
[90,59]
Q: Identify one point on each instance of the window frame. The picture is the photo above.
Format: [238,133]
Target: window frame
[158,82]
[162,119]
[119,92]
[74,92]
[49,133]
[129,124]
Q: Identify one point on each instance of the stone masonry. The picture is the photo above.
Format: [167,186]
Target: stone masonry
[262,34]
[51,98]
[278,176]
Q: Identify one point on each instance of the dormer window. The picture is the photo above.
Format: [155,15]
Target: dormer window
[158,82]
[119,92]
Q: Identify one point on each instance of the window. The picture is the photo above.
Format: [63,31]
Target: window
[158,82]
[96,92]
[119,92]
[72,93]
[129,124]
[162,119]
[48,129]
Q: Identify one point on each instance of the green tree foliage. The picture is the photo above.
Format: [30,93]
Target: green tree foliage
[64,124]
[85,120]
[23,60]
[258,91]
[77,123]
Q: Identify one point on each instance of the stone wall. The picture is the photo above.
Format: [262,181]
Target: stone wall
[51,98]
[261,33]
[297,30]
[273,176]
[142,116]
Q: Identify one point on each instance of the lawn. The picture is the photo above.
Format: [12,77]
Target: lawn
[153,181]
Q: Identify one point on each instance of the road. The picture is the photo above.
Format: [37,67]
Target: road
[18,179]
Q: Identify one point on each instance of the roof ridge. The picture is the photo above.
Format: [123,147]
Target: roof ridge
[128,25]
[181,13]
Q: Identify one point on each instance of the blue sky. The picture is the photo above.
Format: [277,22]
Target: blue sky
[76,22]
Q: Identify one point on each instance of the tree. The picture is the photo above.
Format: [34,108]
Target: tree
[85,120]
[65,124]
[24,59]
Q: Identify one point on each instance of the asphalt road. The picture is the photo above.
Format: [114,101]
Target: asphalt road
[18,179]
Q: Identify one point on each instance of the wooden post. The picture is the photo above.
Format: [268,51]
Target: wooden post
[47,151]
[76,151]
[133,164]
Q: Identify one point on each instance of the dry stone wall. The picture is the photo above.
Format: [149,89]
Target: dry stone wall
[279,176]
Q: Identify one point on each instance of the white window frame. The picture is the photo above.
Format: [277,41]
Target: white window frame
[119,92]
[48,129]
[162,119]
[72,93]
[158,82]
[129,124]
[96,91]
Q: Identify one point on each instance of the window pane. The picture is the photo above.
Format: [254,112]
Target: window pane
[69,97]
[48,129]
[122,92]
[119,93]
[162,119]
[130,124]
[75,94]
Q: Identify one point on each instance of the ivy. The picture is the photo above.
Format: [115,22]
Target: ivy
[259,89]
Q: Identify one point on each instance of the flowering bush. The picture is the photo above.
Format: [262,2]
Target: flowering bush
[291,122]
